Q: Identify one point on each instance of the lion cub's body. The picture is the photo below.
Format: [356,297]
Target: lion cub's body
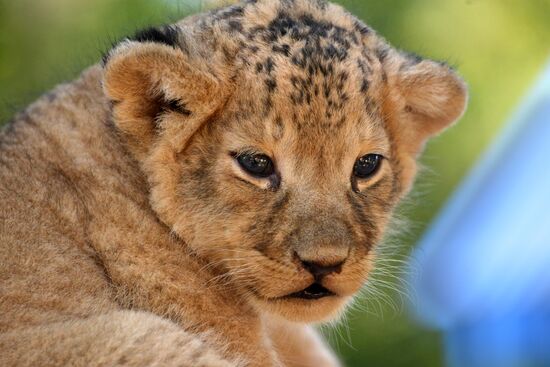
[102,260]
[67,183]
[67,187]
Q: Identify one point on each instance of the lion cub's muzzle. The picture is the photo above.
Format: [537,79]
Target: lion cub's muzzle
[319,270]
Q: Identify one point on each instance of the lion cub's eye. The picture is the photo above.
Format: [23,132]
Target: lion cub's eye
[367,165]
[258,165]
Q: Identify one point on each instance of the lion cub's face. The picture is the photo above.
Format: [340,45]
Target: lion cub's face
[282,167]
[289,197]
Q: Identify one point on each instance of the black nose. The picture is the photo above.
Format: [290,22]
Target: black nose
[320,270]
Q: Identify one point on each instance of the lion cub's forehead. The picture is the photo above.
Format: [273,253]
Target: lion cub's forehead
[306,67]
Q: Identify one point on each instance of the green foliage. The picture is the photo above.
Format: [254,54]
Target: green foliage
[499,46]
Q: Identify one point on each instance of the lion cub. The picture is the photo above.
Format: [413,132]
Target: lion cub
[210,189]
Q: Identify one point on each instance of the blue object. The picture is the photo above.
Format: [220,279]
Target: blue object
[483,268]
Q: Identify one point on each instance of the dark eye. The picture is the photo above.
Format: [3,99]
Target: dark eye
[367,165]
[258,165]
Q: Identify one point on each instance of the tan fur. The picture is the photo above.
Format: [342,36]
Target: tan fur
[129,234]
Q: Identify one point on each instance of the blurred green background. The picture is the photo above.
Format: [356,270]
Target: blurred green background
[499,46]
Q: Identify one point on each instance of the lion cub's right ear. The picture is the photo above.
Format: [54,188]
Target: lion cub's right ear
[158,90]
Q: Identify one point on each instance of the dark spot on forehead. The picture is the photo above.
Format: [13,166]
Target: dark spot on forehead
[365,85]
[280,26]
[234,11]
[332,52]
[283,49]
[362,28]
[269,65]
[363,66]
[299,61]
[321,4]
[316,28]
[259,67]
[271,85]
[227,12]
[382,53]
[235,25]
[343,76]
[287,3]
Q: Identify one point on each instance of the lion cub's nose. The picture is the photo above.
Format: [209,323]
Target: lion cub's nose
[320,270]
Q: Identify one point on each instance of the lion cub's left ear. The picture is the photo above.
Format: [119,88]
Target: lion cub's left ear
[158,89]
[424,97]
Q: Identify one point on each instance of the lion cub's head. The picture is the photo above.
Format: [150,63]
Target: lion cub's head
[277,136]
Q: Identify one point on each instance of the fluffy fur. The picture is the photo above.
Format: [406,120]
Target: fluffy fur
[129,234]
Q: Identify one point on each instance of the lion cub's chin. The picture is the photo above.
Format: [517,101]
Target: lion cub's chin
[304,310]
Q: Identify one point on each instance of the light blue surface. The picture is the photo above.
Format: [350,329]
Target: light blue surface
[483,268]
[514,341]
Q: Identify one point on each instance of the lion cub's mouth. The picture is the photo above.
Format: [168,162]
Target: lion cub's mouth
[314,291]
